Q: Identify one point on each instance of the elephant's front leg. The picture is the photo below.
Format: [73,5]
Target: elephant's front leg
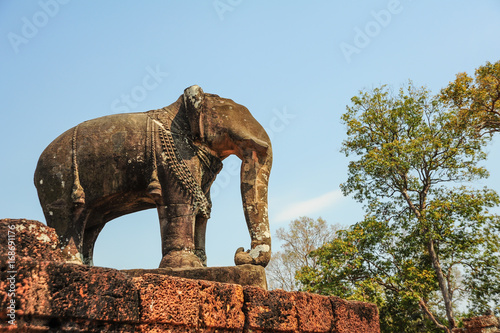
[177,223]
[199,238]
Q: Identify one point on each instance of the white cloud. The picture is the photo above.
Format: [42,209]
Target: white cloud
[308,207]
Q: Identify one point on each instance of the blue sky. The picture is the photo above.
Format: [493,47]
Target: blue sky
[295,65]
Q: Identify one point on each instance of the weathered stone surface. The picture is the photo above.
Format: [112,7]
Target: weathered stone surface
[165,328]
[37,325]
[31,239]
[352,316]
[221,306]
[482,324]
[168,300]
[101,293]
[55,296]
[245,275]
[270,310]
[280,311]
[314,312]
[190,303]
[62,290]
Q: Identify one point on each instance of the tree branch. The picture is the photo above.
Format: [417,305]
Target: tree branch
[429,314]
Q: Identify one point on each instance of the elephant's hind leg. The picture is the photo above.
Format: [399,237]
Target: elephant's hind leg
[177,222]
[89,239]
[68,225]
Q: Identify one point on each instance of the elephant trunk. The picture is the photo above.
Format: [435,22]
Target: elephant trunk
[255,170]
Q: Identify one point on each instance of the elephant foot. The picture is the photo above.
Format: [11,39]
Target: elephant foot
[258,256]
[242,258]
[200,253]
[180,259]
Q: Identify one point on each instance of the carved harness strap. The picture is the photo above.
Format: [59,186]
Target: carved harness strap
[154,187]
[177,164]
[77,193]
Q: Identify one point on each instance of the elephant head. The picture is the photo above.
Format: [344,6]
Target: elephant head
[227,128]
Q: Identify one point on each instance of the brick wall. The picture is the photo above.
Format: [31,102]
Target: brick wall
[51,295]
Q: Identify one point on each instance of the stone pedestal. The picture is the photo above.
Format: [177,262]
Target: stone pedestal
[245,275]
[39,292]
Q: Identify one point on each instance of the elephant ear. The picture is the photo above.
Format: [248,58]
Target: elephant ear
[193,98]
[193,102]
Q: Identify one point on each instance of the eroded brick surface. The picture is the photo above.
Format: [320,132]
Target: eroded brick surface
[31,239]
[221,306]
[96,293]
[55,289]
[31,290]
[352,316]
[168,300]
[270,310]
[53,296]
[482,324]
[314,312]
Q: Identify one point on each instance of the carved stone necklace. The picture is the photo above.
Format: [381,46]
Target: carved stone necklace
[162,121]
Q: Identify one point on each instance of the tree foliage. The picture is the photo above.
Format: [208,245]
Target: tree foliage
[477,98]
[423,245]
[302,236]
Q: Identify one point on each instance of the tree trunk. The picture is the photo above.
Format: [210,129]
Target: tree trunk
[442,284]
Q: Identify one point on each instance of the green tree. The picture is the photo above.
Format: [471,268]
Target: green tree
[302,236]
[477,98]
[423,245]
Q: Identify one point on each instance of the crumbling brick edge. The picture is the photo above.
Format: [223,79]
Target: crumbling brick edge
[52,295]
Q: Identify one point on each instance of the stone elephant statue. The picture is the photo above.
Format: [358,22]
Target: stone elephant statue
[165,159]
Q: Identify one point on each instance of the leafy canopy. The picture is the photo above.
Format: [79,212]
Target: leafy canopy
[407,145]
[423,245]
[477,98]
